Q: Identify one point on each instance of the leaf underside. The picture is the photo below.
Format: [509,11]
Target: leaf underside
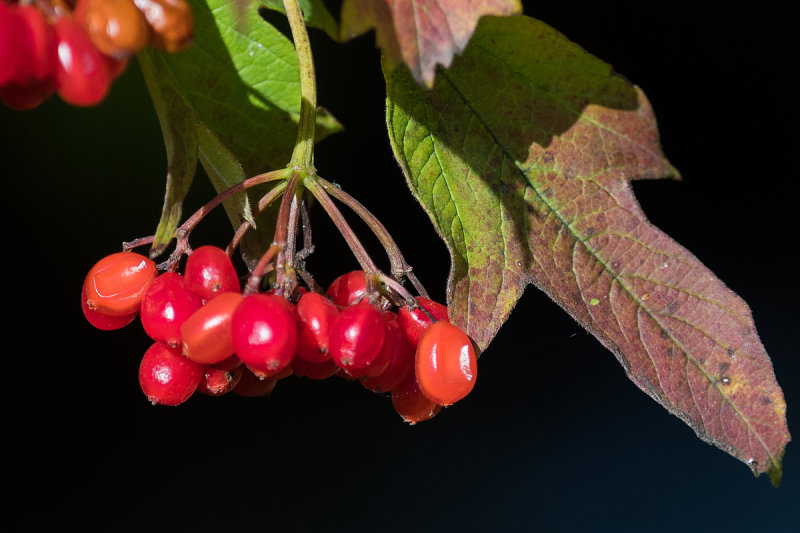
[420,33]
[522,155]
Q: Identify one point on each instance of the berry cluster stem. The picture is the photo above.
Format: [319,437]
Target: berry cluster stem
[303,154]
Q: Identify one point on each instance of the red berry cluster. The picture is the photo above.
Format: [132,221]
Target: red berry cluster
[209,337]
[47,47]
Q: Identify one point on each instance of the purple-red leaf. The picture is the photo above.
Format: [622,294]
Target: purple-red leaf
[522,154]
[420,33]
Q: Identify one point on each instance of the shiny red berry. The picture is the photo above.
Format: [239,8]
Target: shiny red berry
[42,48]
[101,321]
[411,404]
[82,74]
[356,337]
[414,322]
[314,315]
[401,361]
[116,284]
[216,382]
[166,305]
[166,377]
[264,334]
[446,365]
[206,335]
[13,40]
[209,271]
[348,288]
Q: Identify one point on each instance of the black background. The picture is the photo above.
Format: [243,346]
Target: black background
[553,438]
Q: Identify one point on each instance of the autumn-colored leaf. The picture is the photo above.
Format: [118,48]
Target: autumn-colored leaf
[522,155]
[420,33]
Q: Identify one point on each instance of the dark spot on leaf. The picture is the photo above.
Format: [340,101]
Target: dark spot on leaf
[548,157]
[615,265]
[731,352]
[589,232]
[672,306]
[548,192]
[746,331]
[663,334]
[766,400]
[641,262]
[670,352]
[723,367]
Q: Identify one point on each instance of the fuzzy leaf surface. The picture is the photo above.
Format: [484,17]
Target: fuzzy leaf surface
[420,33]
[522,155]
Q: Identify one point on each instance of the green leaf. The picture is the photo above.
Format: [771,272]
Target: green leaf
[522,155]
[177,121]
[224,171]
[240,80]
[315,14]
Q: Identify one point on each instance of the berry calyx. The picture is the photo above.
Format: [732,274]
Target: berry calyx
[206,334]
[166,305]
[314,315]
[445,364]
[264,333]
[166,377]
[116,284]
[209,271]
[356,337]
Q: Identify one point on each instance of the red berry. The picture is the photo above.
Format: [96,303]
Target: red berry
[314,314]
[23,97]
[116,27]
[401,360]
[41,53]
[251,386]
[356,337]
[166,305]
[411,404]
[315,371]
[264,333]
[206,334]
[82,75]
[381,362]
[101,321]
[414,322]
[116,284]
[216,382]
[446,365]
[209,271]
[348,288]
[166,377]
[14,51]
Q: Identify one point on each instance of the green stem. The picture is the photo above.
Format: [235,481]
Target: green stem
[303,154]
